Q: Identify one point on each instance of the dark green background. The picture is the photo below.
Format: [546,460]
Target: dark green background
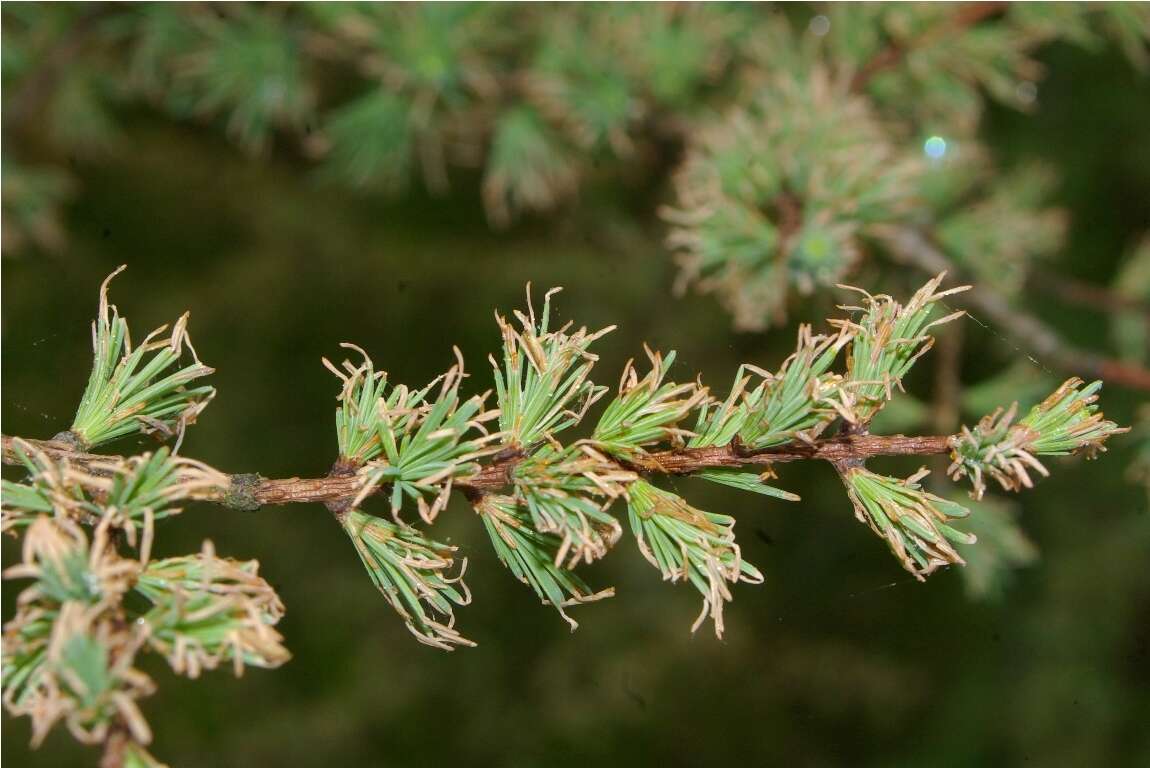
[840,658]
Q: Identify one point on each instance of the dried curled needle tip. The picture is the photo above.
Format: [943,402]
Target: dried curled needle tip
[647,410]
[412,573]
[688,544]
[142,389]
[127,494]
[531,555]
[913,522]
[67,654]
[1068,421]
[543,386]
[567,492]
[888,338]
[207,610]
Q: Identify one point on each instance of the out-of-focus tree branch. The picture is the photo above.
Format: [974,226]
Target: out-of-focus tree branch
[1086,294]
[915,248]
[967,15]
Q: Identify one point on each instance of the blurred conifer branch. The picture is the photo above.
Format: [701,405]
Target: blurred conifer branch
[834,138]
[802,135]
[96,599]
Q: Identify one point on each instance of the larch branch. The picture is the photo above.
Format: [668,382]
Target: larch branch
[249,491]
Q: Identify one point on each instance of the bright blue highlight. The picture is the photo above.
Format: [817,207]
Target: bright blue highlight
[934,147]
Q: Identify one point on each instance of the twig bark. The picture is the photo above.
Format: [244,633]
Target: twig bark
[248,491]
[913,247]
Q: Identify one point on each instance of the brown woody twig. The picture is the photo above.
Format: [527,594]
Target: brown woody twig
[248,491]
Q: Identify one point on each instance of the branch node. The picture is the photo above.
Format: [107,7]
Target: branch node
[242,492]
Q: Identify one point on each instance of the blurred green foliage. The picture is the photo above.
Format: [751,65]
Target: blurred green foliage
[839,657]
[804,128]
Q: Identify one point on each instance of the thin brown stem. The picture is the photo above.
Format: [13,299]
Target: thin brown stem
[248,491]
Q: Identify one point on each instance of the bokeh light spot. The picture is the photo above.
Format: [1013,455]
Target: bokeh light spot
[934,147]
